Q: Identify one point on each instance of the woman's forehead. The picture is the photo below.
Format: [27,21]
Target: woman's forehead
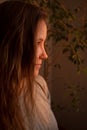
[41,30]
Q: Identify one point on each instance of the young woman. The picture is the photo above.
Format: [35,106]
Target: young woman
[24,96]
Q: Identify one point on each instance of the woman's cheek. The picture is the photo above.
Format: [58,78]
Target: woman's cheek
[38,51]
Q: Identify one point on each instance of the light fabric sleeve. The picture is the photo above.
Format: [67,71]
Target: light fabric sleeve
[44,115]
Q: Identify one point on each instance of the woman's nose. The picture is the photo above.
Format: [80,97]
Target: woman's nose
[44,54]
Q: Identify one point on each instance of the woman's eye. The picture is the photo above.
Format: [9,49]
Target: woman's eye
[38,43]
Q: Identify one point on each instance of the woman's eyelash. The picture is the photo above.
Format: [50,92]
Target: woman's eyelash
[37,43]
[45,43]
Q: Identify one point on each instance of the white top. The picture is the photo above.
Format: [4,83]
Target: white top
[43,117]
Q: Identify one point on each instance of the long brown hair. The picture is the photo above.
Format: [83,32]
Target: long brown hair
[18,21]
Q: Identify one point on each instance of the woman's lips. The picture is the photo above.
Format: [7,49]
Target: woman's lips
[38,65]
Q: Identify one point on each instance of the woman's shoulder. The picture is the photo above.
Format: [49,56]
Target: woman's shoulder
[41,80]
[43,85]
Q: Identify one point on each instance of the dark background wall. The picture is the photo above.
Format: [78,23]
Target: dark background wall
[70,114]
[2,1]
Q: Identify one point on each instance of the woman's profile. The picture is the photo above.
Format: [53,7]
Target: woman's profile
[24,95]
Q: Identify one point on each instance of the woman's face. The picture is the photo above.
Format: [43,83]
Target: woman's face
[40,37]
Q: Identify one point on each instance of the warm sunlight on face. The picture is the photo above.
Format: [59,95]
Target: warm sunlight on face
[40,37]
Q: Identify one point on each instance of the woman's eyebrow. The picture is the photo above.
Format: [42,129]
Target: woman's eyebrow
[40,39]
